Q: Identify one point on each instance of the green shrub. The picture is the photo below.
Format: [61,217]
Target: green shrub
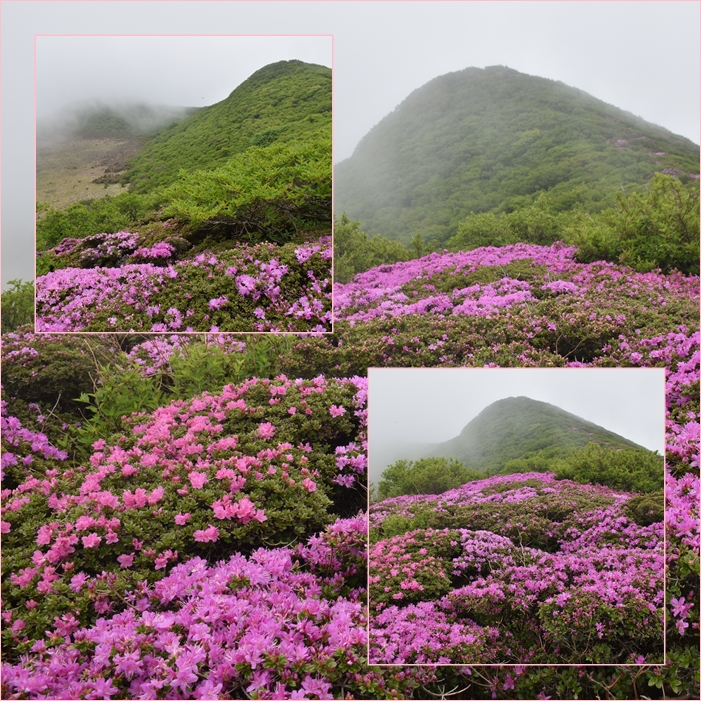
[538,223]
[53,370]
[355,252]
[265,192]
[658,228]
[425,476]
[107,215]
[646,508]
[627,470]
[17,305]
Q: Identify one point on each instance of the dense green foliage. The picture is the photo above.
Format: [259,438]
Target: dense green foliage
[538,223]
[657,228]
[646,508]
[82,219]
[522,428]
[283,102]
[17,305]
[492,140]
[266,192]
[355,252]
[626,470]
[426,476]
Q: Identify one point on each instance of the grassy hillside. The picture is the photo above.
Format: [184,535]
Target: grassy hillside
[282,102]
[491,140]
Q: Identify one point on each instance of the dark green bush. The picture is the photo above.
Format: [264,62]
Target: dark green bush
[538,223]
[626,470]
[17,305]
[355,252]
[53,370]
[265,192]
[658,228]
[646,508]
[425,476]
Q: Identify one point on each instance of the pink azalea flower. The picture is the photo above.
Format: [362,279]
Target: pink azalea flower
[92,540]
[198,479]
[266,430]
[210,534]
[125,560]
[309,485]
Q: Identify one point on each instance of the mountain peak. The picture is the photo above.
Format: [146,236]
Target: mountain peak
[286,101]
[521,427]
[491,140]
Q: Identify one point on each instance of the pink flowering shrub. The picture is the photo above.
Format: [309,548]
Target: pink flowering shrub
[106,250]
[276,624]
[23,449]
[213,475]
[533,508]
[594,572]
[250,288]
[608,317]
[519,305]
[423,634]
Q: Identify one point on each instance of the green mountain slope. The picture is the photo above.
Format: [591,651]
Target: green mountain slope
[519,427]
[282,102]
[491,140]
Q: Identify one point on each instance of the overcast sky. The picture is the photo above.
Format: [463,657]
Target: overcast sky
[178,71]
[432,405]
[640,56]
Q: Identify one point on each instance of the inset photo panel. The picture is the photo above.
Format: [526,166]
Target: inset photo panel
[516,516]
[183,183]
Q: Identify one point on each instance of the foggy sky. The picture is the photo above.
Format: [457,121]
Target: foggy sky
[639,56]
[432,405]
[182,71]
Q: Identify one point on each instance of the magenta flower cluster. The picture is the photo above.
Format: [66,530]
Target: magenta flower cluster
[160,250]
[410,288]
[249,288]
[182,475]
[21,445]
[99,249]
[72,299]
[273,624]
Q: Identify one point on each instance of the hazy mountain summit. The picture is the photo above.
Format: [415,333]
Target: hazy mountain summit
[98,120]
[492,139]
[520,427]
[287,101]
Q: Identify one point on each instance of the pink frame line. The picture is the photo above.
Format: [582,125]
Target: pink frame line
[196,333]
[516,664]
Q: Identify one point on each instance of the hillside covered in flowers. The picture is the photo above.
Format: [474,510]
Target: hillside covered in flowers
[213,543]
[521,568]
